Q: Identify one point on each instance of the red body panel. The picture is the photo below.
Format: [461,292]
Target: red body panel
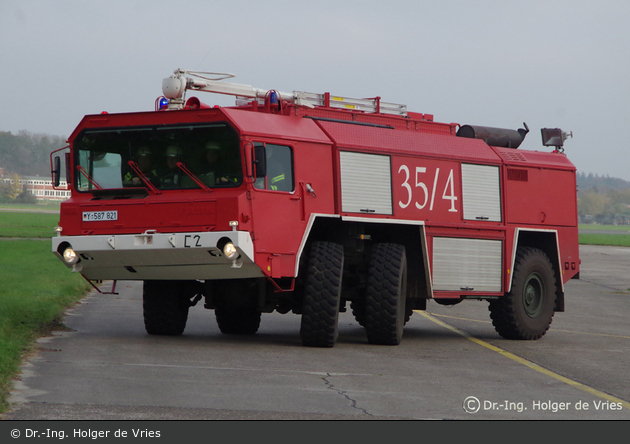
[410,142]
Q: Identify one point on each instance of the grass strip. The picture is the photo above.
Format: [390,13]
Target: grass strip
[28,225]
[35,292]
[40,205]
[619,240]
[604,227]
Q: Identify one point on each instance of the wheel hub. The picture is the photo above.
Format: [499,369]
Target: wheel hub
[533,295]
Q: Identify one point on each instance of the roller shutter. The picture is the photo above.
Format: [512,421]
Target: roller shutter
[366,183]
[481,195]
[466,264]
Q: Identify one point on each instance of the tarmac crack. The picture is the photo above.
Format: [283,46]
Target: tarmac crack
[353,402]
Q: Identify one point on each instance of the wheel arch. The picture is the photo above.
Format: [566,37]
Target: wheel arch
[345,229]
[546,241]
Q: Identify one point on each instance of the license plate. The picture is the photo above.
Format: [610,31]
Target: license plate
[96,216]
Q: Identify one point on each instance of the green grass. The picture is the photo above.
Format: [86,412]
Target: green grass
[619,240]
[619,235]
[36,289]
[604,227]
[43,205]
[27,225]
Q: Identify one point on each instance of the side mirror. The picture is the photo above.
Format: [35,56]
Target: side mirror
[55,165]
[260,161]
[56,171]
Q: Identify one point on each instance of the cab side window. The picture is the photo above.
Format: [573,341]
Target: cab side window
[279,169]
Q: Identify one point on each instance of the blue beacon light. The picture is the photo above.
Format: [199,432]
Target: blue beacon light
[163,103]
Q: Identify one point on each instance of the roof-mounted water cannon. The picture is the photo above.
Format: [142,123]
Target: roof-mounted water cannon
[555,137]
[174,89]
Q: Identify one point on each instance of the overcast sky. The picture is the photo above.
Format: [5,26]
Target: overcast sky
[550,63]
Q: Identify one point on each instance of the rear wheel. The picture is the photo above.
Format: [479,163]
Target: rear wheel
[385,311]
[165,307]
[527,311]
[322,295]
[358,311]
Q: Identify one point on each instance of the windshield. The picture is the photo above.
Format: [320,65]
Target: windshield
[160,157]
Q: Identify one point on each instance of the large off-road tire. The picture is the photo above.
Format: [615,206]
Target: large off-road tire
[527,311]
[386,294]
[358,311]
[322,295]
[236,312]
[235,321]
[165,307]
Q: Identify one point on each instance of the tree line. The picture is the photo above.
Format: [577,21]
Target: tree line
[27,154]
[603,199]
[24,154]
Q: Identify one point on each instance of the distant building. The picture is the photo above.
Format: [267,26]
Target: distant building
[42,188]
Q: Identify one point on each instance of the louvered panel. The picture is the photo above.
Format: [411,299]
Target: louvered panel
[481,193]
[466,264]
[366,184]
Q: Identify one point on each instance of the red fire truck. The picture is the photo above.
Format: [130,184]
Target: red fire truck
[306,203]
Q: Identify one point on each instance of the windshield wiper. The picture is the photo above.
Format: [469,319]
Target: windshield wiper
[88,177]
[193,177]
[136,169]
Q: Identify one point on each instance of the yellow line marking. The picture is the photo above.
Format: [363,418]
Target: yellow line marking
[456,317]
[527,363]
[555,329]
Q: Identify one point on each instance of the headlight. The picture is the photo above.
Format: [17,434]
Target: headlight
[230,251]
[70,256]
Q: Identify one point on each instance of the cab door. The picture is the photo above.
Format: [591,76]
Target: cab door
[277,207]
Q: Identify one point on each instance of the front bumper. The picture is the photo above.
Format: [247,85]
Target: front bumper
[162,256]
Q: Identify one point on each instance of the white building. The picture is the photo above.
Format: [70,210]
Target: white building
[42,188]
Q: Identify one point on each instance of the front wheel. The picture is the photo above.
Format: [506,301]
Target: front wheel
[235,321]
[165,307]
[527,311]
[236,310]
